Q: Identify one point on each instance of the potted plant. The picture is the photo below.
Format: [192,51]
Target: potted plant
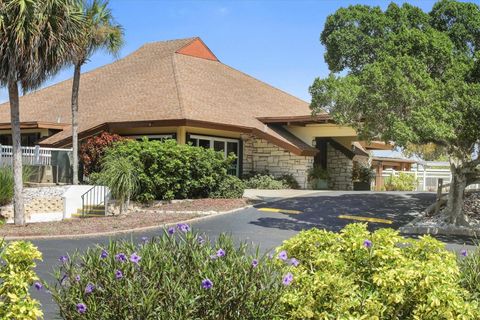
[362,177]
[318,178]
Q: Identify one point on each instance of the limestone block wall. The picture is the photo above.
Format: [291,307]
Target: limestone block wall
[260,155]
[340,170]
[35,206]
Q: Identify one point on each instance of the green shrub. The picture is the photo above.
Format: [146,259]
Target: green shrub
[6,183]
[402,182]
[229,188]
[470,271]
[167,170]
[17,262]
[120,176]
[264,181]
[170,280]
[289,181]
[361,275]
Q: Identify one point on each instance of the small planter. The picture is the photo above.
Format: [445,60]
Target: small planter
[320,184]
[361,186]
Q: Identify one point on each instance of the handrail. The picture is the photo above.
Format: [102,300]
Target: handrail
[96,196]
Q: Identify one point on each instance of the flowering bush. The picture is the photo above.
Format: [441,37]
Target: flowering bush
[470,271]
[176,275]
[361,275]
[92,151]
[17,261]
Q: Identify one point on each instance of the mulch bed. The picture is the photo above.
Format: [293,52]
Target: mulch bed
[155,215]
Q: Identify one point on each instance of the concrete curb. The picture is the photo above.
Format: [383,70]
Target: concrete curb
[119,232]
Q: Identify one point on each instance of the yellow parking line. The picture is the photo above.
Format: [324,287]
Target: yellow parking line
[280,210]
[368,219]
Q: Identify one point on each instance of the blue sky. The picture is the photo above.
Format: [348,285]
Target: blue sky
[274,41]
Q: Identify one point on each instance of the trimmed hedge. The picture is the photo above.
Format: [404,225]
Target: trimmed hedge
[167,170]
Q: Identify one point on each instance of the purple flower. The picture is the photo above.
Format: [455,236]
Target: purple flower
[287,279]
[118,274]
[171,230]
[63,259]
[38,286]
[89,288]
[81,308]
[135,258]
[77,278]
[254,263]
[207,283]
[121,257]
[144,239]
[220,253]
[283,255]
[270,255]
[294,262]
[183,227]
[464,253]
[104,254]
[367,243]
[200,240]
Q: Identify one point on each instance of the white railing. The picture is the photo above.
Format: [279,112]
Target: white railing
[30,155]
[427,180]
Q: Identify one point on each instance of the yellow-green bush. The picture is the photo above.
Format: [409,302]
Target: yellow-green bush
[17,261]
[356,274]
[402,182]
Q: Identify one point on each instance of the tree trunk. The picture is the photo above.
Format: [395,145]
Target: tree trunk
[75,90]
[454,210]
[18,206]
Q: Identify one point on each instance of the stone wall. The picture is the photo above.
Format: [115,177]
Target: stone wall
[340,170]
[35,206]
[260,155]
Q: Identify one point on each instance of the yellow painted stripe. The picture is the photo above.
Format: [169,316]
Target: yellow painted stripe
[280,210]
[368,219]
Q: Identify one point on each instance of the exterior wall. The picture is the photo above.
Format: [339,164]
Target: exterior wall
[261,155]
[38,209]
[340,169]
[344,135]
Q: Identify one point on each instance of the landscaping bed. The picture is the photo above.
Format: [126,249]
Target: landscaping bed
[140,217]
[435,224]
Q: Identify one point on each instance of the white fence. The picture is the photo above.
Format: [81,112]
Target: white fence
[427,180]
[30,155]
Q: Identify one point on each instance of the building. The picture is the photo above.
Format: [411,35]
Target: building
[179,89]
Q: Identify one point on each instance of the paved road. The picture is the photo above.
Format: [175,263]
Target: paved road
[269,229]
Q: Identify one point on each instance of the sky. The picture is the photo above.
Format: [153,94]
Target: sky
[274,41]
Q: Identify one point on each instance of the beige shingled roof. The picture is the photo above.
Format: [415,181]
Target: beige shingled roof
[157,83]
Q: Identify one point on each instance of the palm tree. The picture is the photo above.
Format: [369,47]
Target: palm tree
[100,32]
[35,43]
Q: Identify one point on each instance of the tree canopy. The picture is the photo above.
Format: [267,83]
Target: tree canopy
[407,76]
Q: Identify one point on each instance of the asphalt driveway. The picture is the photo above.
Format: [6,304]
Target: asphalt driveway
[268,229]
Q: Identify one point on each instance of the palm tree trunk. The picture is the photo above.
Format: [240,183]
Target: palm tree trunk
[18,206]
[75,90]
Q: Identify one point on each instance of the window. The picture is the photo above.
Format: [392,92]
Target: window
[218,144]
[27,139]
